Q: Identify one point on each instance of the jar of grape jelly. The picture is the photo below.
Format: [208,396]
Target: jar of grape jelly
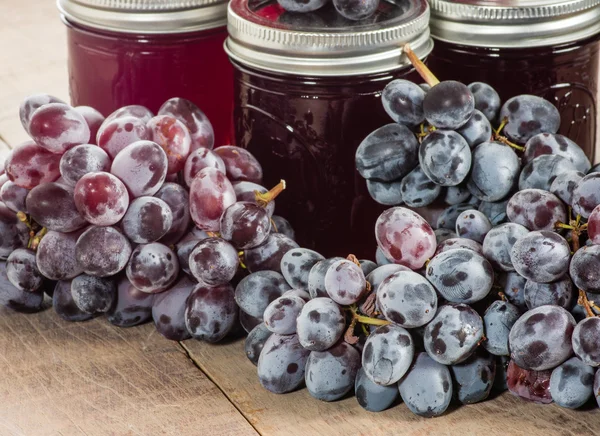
[146,51]
[549,48]
[307,92]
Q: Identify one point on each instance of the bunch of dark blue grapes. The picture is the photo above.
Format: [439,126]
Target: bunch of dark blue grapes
[354,10]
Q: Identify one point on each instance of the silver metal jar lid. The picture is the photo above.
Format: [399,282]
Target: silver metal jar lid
[264,36]
[514,23]
[146,16]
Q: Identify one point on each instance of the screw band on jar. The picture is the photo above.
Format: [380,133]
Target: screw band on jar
[329,51]
[484,23]
[146,16]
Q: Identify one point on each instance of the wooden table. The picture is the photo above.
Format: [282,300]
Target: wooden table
[92,378]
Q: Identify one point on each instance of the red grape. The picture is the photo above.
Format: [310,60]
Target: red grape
[246,191]
[29,165]
[178,200]
[147,220]
[240,164]
[593,226]
[14,196]
[102,251]
[93,118]
[152,268]
[142,166]
[58,127]
[211,312]
[214,262]
[22,270]
[81,160]
[172,135]
[245,225]
[51,205]
[64,305]
[405,237]
[210,194]
[528,384]
[198,160]
[101,198]
[134,110]
[31,104]
[117,134]
[13,298]
[195,120]
[132,307]
[55,256]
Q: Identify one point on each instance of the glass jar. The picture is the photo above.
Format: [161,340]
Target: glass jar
[307,92]
[549,48]
[145,52]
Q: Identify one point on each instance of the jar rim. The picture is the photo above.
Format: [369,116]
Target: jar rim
[369,49]
[515,24]
[146,16]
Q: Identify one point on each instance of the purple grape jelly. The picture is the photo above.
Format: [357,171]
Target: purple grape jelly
[307,92]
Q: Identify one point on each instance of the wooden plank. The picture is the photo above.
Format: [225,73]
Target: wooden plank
[95,379]
[299,414]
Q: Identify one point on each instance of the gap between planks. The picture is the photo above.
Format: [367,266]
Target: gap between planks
[204,371]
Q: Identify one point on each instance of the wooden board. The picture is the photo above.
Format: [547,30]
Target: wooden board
[299,414]
[95,379]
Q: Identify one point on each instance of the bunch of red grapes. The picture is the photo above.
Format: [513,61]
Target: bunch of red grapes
[134,216]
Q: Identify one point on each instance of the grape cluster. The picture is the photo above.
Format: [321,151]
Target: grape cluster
[135,216]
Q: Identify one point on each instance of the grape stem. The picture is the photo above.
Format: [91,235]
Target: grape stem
[421,68]
[274,226]
[264,199]
[352,258]
[213,234]
[365,319]
[503,139]
[241,260]
[583,301]
[35,241]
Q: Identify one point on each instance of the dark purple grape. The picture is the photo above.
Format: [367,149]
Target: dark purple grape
[597,387]
[386,193]
[331,374]
[168,310]
[345,282]
[417,189]
[64,304]
[93,118]
[472,224]
[255,342]
[536,209]
[211,313]
[367,266]
[246,225]
[356,9]
[246,191]
[498,244]
[514,289]
[541,172]
[541,256]
[571,384]
[461,275]
[487,99]
[427,387]
[499,318]
[280,316]
[442,235]
[248,322]
[301,5]
[268,255]
[152,268]
[474,378]
[131,307]
[586,195]
[585,269]
[200,159]
[214,262]
[541,338]
[14,197]
[585,341]
[22,270]
[296,265]
[564,184]
[320,325]
[447,219]
[93,294]
[477,130]
[255,292]
[456,194]
[389,153]
[407,299]
[316,277]
[177,198]
[527,116]
[381,258]
[454,243]
[81,160]
[501,382]
[371,396]
[448,105]
[401,99]
[558,293]
[183,255]
[445,157]
[55,256]
[211,194]
[387,354]
[529,385]
[102,251]
[51,205]
[454,334]
[559,145]
[495,211]
[282,362]
[377,276]
[495,171]
[240,164]
[281,225]
[13,298]
[147,220]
